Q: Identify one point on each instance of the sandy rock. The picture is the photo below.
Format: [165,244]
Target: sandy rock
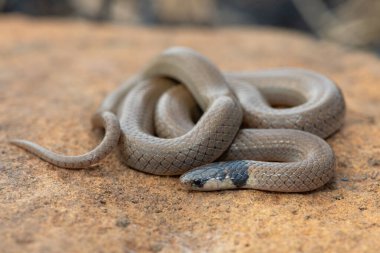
[54,74]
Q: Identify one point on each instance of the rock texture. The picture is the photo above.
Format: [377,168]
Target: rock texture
[54,74]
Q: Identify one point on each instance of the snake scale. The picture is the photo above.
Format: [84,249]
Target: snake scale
[182,116]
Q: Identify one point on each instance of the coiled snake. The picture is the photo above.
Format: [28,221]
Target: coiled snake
[156,120]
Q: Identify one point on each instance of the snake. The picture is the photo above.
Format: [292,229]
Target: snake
[181,115]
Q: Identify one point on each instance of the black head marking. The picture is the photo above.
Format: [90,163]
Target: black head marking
[238,172]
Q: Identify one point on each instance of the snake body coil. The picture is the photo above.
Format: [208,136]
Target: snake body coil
[163,133]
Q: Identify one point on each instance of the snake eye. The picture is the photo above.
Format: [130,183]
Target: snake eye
[197,183]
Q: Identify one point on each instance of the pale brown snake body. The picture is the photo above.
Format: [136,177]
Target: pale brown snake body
[159,136]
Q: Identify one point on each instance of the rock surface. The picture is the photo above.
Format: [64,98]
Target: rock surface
[54,74]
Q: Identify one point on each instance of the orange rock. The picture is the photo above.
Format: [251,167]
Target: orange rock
[54,74]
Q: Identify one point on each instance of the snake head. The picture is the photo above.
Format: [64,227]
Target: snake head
[192,181]
[216,176]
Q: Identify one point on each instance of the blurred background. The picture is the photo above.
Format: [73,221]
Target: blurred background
[353,23]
